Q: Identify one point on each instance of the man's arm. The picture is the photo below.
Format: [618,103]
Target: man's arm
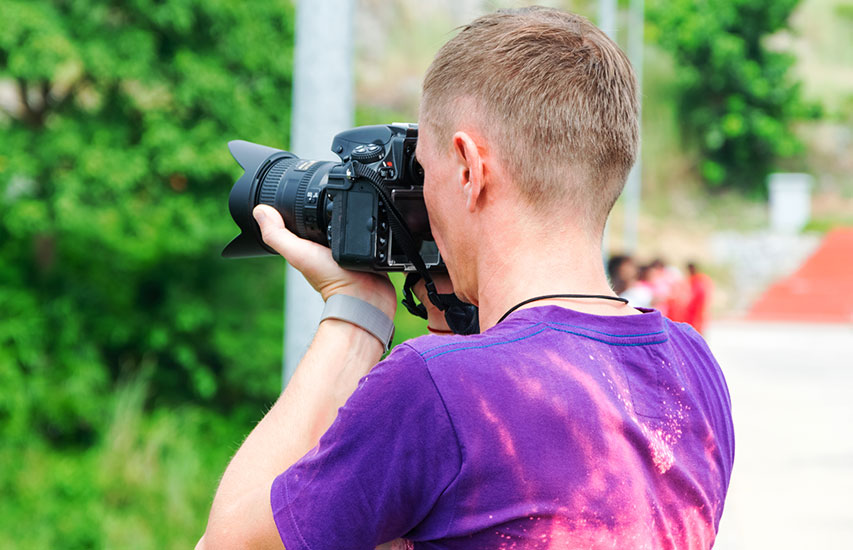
[338,357]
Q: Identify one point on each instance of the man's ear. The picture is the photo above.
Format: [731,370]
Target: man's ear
[471,170]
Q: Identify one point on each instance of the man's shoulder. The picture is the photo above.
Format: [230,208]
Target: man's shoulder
[422,348]
[687,335]
[424,345]
[412,362]
[451,347]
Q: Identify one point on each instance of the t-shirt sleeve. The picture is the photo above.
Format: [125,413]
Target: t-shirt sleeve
[378,470]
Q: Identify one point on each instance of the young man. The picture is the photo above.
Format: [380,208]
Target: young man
[568,422]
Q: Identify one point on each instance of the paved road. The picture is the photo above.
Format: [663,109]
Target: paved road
[792,397]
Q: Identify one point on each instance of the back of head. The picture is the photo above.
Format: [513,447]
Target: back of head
[556,98]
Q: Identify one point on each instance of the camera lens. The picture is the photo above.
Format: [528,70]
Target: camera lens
[291,185]
[294,187]
[270,179]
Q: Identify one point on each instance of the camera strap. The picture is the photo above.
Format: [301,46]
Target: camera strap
[461,317]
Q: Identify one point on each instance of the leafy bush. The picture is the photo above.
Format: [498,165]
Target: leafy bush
[114,179]
[737,97]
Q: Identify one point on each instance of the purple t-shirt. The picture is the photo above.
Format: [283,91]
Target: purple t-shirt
[553,429]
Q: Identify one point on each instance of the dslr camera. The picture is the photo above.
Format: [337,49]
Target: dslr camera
[368,208]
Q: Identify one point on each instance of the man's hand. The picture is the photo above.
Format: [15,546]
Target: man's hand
[435,317]
[315,262]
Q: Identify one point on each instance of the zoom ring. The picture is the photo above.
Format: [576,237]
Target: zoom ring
[271,182]
[299,207]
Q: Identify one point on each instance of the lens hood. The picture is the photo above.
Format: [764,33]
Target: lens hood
[243,198]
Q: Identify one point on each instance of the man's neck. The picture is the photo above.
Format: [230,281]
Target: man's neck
[520,267]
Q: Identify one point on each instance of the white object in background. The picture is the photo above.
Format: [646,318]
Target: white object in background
[790,201]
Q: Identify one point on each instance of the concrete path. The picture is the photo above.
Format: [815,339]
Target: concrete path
[792,396]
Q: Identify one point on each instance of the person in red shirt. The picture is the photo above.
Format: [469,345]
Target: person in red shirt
[701,286]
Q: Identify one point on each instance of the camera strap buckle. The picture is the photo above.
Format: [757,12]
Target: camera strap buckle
[461,317]
[412,305]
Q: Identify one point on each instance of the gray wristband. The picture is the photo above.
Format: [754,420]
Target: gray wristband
[361,314]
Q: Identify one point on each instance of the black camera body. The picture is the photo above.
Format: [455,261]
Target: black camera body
[328,203]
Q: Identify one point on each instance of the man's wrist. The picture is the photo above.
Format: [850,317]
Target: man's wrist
[356,341]
[361,314]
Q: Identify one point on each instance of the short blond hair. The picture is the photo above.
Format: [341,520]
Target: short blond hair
[557,97]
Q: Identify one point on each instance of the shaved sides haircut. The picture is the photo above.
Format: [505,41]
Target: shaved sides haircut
[554,95]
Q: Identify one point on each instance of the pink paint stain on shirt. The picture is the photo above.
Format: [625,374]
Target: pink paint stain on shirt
[662,454]
[503,433]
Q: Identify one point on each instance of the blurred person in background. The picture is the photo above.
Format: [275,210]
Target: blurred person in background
[698,305]
[669,290]
[639,293]
[571,420]
[661,281]
[629,281]
[621,271]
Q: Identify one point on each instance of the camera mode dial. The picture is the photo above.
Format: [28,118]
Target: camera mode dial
[368,153]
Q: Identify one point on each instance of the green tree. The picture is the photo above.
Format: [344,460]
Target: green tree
[114,180]
[737,98]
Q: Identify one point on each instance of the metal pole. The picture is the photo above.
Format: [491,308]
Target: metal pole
[635,179]
[322,107]
[607,17]
[607,23]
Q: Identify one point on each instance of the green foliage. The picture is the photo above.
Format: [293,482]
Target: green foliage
[114,178]
[146,483]
[737,98]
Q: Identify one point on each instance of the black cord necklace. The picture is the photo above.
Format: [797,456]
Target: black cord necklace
[550,296]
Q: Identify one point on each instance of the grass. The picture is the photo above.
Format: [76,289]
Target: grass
[147,483]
